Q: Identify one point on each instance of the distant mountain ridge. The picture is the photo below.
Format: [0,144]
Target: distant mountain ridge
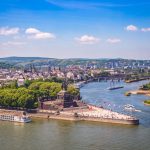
[20,59]
[44,61]
[27,60]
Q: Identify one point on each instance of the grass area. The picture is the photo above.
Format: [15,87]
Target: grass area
[146,87]
[147,102]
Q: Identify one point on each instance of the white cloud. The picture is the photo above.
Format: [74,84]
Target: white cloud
[9,31]
[81,4]
[37,34]
[32,31]
[86,39]
[145,29]
[131,28]
[44,35]
[113,40]
[14,43]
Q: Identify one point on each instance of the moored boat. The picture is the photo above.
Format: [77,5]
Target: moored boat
[114,85]
[14,116]
[115,88]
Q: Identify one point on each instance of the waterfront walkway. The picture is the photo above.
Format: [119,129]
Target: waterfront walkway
[96,112]
[89,113]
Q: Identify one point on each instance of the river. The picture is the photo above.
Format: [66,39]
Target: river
[67,135]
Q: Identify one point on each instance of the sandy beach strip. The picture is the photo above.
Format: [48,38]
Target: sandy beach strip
[144,92]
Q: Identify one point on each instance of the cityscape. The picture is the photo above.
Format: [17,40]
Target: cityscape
[74,75]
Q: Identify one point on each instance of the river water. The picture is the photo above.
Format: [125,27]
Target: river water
[67,135]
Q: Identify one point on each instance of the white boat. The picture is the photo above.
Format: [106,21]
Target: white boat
[14,117]
[129,107]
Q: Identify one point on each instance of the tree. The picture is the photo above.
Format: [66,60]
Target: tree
[73,91]
[50,90]
[27,83]
[14,85]
[104,74]
[21,97]
[27,97]
[35,85]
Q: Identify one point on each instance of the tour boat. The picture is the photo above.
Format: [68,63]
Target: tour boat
[113,86]
[14,117]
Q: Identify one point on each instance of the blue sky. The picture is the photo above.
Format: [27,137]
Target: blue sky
[75,28]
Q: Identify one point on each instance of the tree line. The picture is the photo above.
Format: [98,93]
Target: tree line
[28,95]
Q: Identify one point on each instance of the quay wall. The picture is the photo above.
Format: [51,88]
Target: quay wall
[70,117]
[81,118]
[113,121]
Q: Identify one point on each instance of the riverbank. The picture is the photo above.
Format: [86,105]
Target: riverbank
[89,119]
[143,92]
[91,113]
[136,80]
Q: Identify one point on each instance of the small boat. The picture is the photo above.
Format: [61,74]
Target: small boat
[129,105]
[127,94]
[131,108]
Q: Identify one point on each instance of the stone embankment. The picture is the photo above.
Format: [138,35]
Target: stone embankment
[88,113]
[91,113]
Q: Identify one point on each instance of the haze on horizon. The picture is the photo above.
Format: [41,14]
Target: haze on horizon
[75,28]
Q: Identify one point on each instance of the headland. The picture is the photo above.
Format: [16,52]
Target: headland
[87,113]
